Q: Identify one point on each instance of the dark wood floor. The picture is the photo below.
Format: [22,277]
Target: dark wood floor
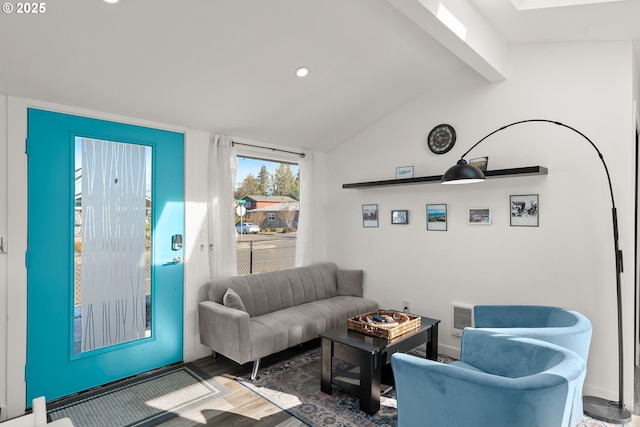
[242,407]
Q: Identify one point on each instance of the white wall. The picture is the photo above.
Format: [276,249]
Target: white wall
[16,273]
[196,248]
[636,110]
[566,261]
[3,257]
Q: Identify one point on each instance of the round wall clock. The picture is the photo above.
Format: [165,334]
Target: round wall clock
[441,139]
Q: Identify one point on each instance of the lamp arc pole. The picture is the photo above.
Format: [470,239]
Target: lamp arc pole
[595,407]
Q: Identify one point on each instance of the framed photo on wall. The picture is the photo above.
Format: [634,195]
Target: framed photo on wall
[400,217]
[480,216]
[525,210]
[480,162]
[437,217]
[370,215]
[404,172]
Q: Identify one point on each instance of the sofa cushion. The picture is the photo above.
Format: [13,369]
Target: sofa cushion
[277,331]
[232,300]
[349,282]
[271,291]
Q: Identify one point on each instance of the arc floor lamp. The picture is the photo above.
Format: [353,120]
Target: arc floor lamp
[595,407]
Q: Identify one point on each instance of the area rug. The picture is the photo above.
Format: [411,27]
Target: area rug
[294,386]
[143,401]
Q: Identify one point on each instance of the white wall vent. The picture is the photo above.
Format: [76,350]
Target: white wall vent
[461,317]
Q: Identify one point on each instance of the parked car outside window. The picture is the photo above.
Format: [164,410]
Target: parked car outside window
[247,227]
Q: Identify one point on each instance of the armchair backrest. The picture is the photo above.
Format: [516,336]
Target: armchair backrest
[556,325]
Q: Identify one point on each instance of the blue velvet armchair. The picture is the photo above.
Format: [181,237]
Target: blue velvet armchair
[556,325]
[501,380]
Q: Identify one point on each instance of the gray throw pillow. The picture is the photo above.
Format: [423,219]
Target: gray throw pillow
[350,282]
[232,300]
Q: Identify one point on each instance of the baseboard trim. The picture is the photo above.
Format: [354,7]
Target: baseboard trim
[453,352]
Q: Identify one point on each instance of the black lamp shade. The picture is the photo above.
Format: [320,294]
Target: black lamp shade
[462,173]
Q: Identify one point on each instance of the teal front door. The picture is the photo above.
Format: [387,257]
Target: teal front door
[104,259]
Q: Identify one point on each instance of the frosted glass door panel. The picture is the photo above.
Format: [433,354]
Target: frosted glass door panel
[112,260]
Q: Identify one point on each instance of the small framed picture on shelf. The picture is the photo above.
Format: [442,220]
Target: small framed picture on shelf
[437,217]
[525,210]
[480,162]
[370,215]
[403,172]
[480,216]
[400,217]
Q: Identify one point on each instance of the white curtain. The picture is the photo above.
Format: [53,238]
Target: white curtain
[305,216]
[223,167]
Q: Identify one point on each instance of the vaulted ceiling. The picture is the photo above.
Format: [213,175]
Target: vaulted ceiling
[228,66]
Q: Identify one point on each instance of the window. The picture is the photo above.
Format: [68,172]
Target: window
[271,189]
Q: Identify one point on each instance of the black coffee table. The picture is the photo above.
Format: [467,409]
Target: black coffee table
[373,356]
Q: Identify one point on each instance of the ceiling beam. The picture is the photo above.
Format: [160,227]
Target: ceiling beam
[459,27]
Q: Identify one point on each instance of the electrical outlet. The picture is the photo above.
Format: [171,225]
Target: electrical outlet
[406,306]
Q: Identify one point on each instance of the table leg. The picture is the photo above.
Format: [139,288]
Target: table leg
[432,344]
[370,375]
[325,370]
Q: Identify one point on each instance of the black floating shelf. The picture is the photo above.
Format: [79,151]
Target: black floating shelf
[498,173]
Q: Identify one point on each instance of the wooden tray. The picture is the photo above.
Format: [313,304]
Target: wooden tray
[403,323]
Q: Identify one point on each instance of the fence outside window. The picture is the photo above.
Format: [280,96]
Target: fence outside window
[270,254]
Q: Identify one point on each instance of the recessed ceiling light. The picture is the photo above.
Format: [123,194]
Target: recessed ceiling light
[302,72]
[111,1]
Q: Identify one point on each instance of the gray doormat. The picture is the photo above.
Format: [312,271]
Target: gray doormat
[143,401]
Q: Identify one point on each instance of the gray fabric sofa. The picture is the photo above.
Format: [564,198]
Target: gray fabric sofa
[252,316]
